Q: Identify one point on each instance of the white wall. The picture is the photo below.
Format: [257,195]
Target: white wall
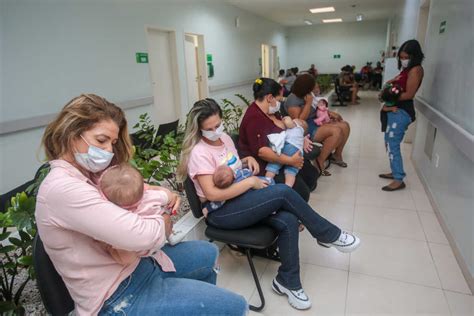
[356,42]
[448,87]
[58,49]
[405,22]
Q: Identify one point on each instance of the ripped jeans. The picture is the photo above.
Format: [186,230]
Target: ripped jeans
[397,125]
[191,290]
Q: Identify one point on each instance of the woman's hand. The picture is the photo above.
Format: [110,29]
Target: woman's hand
[296,160]
[336,116]
[389,108]
[252,164]
[258,183]
[168,225]
[308,144]
[174,202]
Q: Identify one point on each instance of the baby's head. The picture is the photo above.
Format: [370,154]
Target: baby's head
[288,121]
[323,104]
[390,94]
[223,177]
[122,185]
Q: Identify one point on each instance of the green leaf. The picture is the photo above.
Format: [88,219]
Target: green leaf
[9,265]
[4,236]
[6,249]
[25,236]
[15,241]
[26,260]
[7,306]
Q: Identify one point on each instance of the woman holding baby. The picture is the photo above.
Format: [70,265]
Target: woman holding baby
[251,200]
[78,225]
[334,135]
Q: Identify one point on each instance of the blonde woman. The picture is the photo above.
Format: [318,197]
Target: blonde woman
[77,226]
[251,200]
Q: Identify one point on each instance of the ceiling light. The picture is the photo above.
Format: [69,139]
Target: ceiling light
[359,17]
[322,10]
[332,20]
[308,22]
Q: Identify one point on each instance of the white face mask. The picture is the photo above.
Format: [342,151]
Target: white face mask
[274,109]
[95,159]
[405,63]
[214,135]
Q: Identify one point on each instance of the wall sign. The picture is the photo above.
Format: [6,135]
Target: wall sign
[210,66]
[337,56]
[141,58]
[442,27]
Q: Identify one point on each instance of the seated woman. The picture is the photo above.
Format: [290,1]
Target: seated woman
[347,81]
[299,104]
[251,200]
[78,226]
[261,120]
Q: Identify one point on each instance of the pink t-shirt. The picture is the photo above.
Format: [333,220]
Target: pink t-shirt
[205,159]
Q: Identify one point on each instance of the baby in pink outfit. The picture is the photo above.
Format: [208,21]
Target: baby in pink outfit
[322,114]
[123,185]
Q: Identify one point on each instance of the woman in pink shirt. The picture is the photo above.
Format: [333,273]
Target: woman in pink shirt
[77,226]
[250,201]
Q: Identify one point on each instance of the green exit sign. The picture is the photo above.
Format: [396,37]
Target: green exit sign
[141,58]
[442,27]
[337,56]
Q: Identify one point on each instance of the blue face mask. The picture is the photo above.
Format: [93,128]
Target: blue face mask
[95,159]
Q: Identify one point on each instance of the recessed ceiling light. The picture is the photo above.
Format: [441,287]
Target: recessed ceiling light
[332,20]
[322,10]
[359,17]
[308,22]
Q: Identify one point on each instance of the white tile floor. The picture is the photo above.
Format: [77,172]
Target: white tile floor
[404,266]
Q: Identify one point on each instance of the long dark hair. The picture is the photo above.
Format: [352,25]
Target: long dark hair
[303,85]
[413,49]
[264,86]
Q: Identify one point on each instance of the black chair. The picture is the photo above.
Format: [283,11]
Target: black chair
[256,237]
[341,93]
[53,291]
[163,130]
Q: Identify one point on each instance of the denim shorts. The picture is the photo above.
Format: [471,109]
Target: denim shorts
[288,150]
[312,128]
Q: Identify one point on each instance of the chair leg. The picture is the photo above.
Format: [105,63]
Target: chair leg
[257,283]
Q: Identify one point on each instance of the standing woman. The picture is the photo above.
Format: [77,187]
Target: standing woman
[395,119]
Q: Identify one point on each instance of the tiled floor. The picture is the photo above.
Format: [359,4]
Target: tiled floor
[404,266]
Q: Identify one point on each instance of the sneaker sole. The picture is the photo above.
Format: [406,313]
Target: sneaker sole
[279,292]
[346,249]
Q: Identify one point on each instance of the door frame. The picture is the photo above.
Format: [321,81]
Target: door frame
[174,66]
[201,65]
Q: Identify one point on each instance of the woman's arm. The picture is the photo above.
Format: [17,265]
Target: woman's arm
[80,208]
[334,115]
[213,193]
[267,154]
[413,83]
[302,114]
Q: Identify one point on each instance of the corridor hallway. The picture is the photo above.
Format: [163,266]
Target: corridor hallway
[404,265]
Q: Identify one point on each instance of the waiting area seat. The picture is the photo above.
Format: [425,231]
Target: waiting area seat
[257,237]
[53,291]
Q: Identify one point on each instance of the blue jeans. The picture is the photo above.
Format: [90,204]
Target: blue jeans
[280,207]
[397,124]
[312,127]
[289,150]
[191,290]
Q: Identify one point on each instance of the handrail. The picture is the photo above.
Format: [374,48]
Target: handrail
[463,140]
[38,121]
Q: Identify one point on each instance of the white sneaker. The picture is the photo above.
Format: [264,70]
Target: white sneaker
[175,237]
[296,298]
[345,243]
